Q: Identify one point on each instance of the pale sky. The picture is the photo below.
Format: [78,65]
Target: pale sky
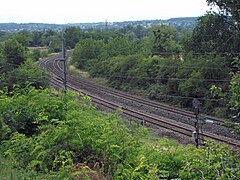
[78,11]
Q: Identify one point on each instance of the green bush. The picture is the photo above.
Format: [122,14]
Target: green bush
[27,108]
[27,73]
[214,161]
[72,139]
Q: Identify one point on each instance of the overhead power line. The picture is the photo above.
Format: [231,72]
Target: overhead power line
[188,98]
[169,79]
[162,52]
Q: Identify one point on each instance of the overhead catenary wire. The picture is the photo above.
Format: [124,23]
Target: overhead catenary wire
[41,79]
[169,79]
[160,78]
[188,98]
[162,52]
[181,65]
[185,97]
[136,51]
[23,77]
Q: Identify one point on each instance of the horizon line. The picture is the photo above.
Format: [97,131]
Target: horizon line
[96,21]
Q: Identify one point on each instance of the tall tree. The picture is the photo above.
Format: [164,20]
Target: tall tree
[86,50]
[228,7]
[4,35]
[27,72]
[37,38]
[232,8]
[22,38]
[14,52]
[72,36]
[119,46]
[214,34]
[163,39]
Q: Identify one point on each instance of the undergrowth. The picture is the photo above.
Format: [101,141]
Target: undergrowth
[57,136]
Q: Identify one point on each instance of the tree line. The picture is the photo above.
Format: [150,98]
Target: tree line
[170,64]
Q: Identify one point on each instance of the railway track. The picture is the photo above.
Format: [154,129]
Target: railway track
[100,96]
[145,105]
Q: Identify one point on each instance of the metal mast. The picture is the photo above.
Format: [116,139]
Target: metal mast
[64,65]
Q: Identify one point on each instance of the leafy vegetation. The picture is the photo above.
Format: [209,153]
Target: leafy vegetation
[214,34]
[14,52]
[212,162]
[70,138]
[234,90]
[17,64]
[9,170]
[170,64]
[82,54]
[227,7]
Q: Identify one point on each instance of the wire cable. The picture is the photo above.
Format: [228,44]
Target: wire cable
[169,79]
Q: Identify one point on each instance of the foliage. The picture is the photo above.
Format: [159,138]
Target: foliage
[214,34]
[235,86]
[16,66]
[136,32]
[163,39]
[72,36]
[235,96]
[4,35]
[8,170]
[22,38]
[36,38]
[165,77]
[228,7]
[118,70]
[71,139]
[86,50]
[214,161]
[54,43]
[14,52]
[5,131]
[23,111]
[210,68]
[119,46]
[36,54]
[27,73]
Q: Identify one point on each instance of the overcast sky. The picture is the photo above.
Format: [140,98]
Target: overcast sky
[78,11]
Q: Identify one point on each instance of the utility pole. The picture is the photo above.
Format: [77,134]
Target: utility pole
[64,66]
[196,110]
[106,25]
[106,29]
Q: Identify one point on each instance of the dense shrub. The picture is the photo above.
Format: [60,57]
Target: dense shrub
[176,78]
[27,108]
[27,73]
[71,139]
[214,161]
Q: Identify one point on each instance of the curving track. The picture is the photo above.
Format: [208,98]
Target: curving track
[137,108]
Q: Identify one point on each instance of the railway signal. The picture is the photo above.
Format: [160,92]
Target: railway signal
[142,122]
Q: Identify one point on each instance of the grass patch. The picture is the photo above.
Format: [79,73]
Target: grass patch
[85,74]
[74,70]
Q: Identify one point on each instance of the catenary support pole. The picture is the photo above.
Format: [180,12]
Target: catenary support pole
[64,66]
